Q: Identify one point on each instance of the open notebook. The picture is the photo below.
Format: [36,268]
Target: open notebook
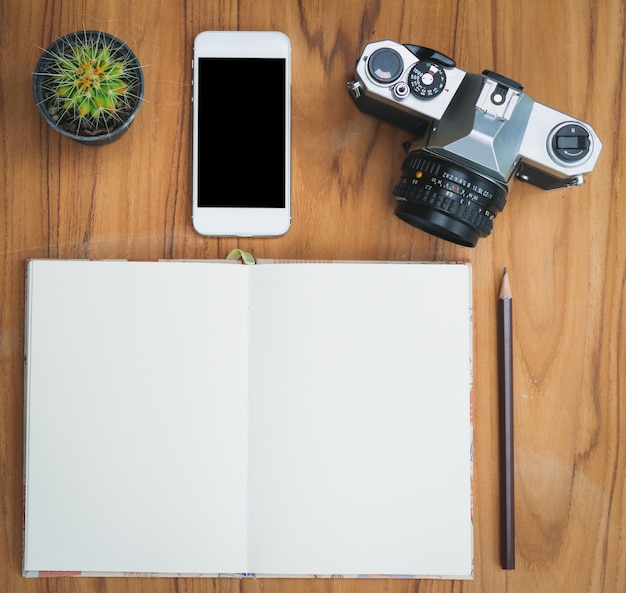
[210,418]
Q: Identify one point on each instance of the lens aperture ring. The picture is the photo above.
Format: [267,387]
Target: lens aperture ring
[428,170]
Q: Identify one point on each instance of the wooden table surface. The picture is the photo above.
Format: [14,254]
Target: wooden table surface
[565,250]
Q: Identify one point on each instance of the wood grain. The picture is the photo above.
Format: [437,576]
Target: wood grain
[565,250]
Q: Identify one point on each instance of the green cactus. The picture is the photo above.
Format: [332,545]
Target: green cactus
[90,82]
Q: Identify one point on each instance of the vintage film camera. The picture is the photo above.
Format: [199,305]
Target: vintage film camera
[473,134]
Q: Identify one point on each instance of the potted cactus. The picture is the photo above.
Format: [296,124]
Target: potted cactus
[88,85]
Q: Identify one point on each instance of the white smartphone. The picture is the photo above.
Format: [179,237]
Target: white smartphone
[241,133]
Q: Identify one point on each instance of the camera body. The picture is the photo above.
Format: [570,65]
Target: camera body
[473,134]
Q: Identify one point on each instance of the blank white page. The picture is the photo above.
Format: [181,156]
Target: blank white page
[360,433]
[136,424]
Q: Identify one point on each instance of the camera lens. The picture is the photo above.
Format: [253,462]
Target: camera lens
[446,199]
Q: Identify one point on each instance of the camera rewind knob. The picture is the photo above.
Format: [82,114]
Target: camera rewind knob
[571,143]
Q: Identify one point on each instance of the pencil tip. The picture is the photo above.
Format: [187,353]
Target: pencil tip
[505,289]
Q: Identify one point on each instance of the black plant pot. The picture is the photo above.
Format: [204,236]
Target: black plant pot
[46,101]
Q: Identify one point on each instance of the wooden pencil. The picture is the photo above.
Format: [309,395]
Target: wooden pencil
[507,486]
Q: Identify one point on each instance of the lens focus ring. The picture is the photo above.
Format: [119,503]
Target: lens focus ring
[466,211]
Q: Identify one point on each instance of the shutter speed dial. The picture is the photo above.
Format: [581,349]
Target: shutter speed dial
[427,79]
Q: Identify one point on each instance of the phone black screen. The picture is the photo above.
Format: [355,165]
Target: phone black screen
[241,132]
